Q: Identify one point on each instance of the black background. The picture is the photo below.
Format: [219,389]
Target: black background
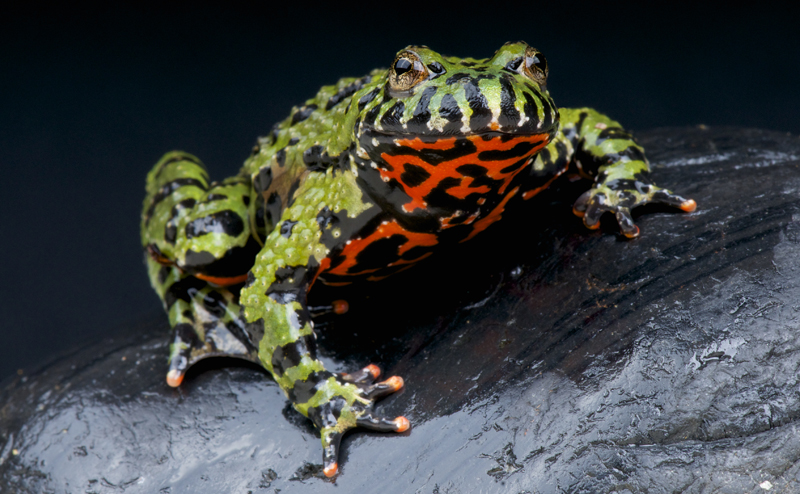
[91,97]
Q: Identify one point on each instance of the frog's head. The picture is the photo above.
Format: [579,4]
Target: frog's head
[429,115]
[427,94]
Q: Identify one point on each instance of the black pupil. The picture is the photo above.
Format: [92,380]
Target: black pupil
[402,66]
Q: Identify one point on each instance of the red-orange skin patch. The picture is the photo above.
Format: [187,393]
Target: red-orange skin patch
[483,223]
[530,193]
[447,169]
[323,266]
[355,246]
[446,222]
[222,281]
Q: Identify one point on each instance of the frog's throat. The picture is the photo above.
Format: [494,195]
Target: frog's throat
[422,164]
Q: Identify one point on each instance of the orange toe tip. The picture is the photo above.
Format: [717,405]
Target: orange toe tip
[331,470]
[632,233]
[396,382]
[174,378]
[401,424]
[340,306]
[593,227]
[374,370]
[577,213]
[688,205]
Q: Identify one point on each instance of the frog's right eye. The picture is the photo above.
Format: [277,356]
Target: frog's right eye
[535,65]
[407,71]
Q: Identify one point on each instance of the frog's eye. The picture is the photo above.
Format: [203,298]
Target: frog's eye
[407,71]
[535,65]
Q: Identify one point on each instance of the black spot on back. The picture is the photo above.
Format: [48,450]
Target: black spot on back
[280,157]
[324,217]
[346,92]
[303,113]
[316,158]
[168,189]
[286,228]
[227,222]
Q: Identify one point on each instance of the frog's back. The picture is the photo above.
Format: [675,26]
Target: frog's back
[299,140]
[299,144]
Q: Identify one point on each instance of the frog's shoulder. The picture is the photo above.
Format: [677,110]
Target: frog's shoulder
[334,98]
[304,134]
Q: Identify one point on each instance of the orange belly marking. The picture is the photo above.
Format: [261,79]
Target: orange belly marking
[387,229]
[448,169]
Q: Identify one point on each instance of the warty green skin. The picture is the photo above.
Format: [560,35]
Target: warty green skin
[321,181]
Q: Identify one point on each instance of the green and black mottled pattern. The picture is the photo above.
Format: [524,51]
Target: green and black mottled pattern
[363,180]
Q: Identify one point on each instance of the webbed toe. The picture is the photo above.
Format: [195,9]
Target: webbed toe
[351,406]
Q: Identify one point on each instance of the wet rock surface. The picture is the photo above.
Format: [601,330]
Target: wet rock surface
[542,357]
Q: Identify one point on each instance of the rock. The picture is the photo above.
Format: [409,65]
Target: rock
[542,357]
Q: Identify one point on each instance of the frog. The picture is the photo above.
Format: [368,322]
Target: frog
[366,179]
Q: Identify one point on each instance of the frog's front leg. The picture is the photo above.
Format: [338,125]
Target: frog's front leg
[601,149]
[275,308]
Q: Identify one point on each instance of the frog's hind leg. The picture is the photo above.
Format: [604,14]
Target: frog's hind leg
[205,319]
[203,228]
[198,239]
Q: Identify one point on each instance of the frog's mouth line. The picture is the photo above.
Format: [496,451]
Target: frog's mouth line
[458,165]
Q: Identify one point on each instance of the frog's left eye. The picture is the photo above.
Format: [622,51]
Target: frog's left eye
[535,65]
[407,71]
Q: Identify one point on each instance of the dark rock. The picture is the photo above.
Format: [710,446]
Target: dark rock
[542,357]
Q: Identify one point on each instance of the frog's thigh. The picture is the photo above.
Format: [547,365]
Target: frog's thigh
[213,239]
[174,185]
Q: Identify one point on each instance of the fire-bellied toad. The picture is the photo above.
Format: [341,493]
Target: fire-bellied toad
[365,179]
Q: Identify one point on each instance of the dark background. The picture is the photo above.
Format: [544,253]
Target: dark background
[90,98]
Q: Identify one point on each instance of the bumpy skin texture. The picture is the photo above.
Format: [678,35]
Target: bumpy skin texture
[367,178]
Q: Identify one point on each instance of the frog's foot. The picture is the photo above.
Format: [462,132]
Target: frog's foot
[350,406]
[619,197]
[180,352]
